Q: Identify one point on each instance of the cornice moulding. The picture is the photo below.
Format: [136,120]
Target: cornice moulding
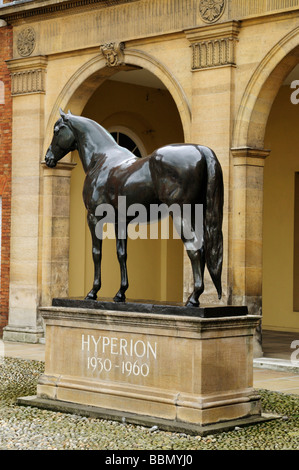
[239,9]
[27,63]
[215,31]
[16,12]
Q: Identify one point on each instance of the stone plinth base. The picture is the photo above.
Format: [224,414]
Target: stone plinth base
[177,371]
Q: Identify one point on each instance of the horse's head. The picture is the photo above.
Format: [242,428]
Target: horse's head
[63,141]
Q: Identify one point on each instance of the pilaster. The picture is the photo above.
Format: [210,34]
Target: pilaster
[24,323]
[54,248]
[247,224]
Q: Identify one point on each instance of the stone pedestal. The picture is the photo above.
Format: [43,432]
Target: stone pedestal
[181,369]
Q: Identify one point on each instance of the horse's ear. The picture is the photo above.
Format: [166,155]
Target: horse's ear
[69,112]
[63,115]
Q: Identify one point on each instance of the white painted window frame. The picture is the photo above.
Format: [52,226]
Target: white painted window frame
[132,135]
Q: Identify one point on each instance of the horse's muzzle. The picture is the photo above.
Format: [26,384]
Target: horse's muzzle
[50,160]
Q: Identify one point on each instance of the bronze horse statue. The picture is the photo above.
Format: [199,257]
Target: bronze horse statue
[175,174]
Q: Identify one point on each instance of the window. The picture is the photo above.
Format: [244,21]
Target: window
[126,138]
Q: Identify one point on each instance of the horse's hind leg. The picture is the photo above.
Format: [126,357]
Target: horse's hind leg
[96,255]
[121,247]
[196,253]
[197,259]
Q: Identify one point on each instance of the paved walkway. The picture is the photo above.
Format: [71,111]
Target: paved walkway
[285,379]
[277,381]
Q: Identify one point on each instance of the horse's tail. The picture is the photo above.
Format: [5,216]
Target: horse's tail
[213,218]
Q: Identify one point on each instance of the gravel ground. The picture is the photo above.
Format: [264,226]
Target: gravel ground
[28,428]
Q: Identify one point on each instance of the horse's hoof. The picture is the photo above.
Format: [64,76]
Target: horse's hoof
[119,298]
[191,303]
[91,296]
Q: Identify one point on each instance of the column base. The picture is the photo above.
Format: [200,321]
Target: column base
[25,334]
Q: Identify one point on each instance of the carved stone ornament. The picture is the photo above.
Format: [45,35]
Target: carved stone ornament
[26,42]
[28,75]
[211,10]
[113,53]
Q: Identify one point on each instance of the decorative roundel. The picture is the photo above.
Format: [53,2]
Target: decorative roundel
[211,10]
[26,42]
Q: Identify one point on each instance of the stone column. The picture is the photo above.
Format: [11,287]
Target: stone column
[54,247]
[28,89]
[247,223]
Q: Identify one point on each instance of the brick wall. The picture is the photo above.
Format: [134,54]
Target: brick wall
[5,169]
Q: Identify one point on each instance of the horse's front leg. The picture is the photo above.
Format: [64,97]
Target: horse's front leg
[121,247]
[96,255]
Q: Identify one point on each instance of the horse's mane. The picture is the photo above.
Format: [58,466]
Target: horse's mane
[73,118]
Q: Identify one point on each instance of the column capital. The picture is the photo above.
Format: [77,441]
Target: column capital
[213,45]
[28,75]
[61,169]
[248,156]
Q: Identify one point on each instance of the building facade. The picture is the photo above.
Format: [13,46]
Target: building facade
[221,73]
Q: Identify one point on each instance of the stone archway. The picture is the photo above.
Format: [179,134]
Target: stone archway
[90,75]
[261,91]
